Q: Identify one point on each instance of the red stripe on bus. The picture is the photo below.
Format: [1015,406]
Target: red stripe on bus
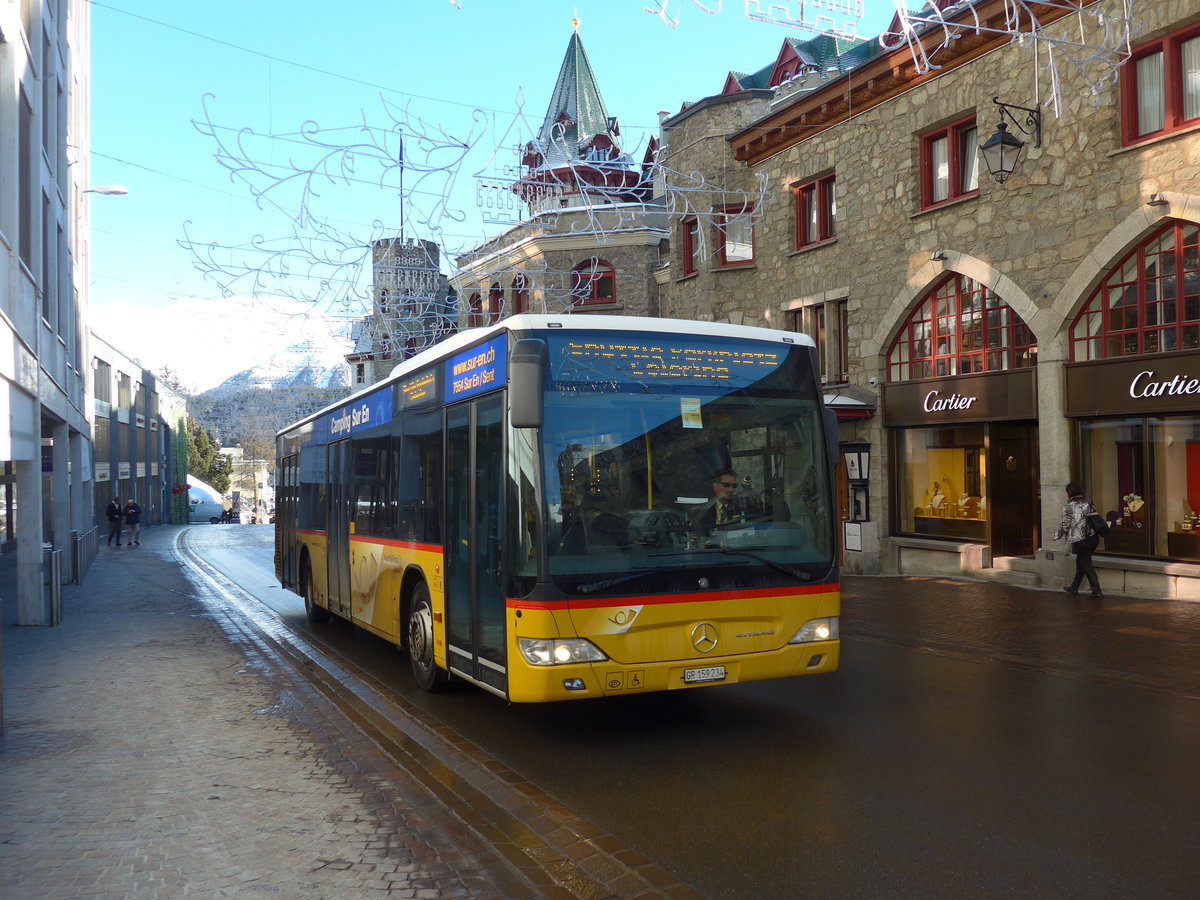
[660,600]
[383,542]
[408,545]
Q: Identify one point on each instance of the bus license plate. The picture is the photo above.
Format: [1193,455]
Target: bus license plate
[707,673]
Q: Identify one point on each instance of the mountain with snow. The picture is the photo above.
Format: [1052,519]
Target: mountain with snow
[299,366]
[253,343]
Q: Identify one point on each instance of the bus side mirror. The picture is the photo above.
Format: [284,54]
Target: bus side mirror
[526,383]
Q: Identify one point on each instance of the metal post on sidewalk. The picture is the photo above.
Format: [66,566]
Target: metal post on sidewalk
[54,579]
[84,548]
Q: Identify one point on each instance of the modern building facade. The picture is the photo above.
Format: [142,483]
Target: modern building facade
[984,342]
[139,438]
[45,447]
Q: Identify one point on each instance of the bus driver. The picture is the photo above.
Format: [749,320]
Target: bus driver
[725,506]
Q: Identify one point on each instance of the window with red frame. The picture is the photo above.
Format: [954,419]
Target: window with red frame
[960,328]
[1148,303]
[475,311]
[816,210]
[950,163]
[594,281]
[826,324]
[735,237]
[1160,86]
[520,295]
[691,245]
[495,303]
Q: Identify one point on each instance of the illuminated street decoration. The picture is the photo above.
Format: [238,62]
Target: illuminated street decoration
[838,18]
[1092,41]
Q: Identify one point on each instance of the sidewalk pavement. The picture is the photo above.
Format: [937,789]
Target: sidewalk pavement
[147,755]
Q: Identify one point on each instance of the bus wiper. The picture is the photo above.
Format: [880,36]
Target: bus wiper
[593,586]
[782,567]
[608,582]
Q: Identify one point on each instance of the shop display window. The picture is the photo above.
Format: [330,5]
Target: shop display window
[1143,476]
[1148,303]
[942,478]
[961,327]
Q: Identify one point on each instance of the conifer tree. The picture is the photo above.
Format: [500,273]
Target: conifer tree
[204,460]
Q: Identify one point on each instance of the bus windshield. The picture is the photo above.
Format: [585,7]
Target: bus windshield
[670,459]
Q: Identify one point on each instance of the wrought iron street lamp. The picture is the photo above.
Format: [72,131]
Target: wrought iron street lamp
[1002,151]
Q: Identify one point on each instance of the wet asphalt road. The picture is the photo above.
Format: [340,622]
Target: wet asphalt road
[979,741]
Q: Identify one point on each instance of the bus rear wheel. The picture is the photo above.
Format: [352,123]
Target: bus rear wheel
[420,643]
[317,615]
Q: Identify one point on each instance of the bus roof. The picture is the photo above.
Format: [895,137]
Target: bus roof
[564,322]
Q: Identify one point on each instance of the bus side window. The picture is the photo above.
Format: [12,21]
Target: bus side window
[421,465]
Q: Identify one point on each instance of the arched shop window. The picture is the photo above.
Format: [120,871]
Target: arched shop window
[960,328]
[1148,303]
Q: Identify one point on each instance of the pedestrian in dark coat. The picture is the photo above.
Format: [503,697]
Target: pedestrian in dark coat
[133,523]
[1076,529]
[114,513]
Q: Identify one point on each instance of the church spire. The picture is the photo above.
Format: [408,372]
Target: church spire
[576,156]
[576,115]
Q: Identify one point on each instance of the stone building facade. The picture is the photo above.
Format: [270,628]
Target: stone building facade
[988,342]
[412,307]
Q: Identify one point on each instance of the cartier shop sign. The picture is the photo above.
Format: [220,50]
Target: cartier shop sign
[1164,382]
[988,397]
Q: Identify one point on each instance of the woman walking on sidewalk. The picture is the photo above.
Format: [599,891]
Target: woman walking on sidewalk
[1076,529]
[133,521]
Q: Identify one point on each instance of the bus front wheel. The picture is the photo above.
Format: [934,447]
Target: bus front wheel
[420,643]
[318,615]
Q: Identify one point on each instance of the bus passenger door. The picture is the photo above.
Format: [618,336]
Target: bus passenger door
[474,524]
[338,519]
[287,480]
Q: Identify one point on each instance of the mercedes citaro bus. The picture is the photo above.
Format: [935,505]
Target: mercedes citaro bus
[560,507]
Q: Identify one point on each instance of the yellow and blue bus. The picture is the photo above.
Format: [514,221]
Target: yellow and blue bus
[559,507]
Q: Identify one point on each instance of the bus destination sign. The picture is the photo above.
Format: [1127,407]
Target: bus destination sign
[418,390]
[482,368]
[667,362]
[368,411]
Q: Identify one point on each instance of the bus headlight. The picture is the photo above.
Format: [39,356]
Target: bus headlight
[559,651]
[816,630]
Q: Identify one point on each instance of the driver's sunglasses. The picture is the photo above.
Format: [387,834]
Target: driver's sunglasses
[727,484]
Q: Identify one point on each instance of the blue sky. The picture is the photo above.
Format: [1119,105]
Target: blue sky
[472,71]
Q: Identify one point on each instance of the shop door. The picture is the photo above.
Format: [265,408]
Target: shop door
[474,535]
[338,519]
[1013,485]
